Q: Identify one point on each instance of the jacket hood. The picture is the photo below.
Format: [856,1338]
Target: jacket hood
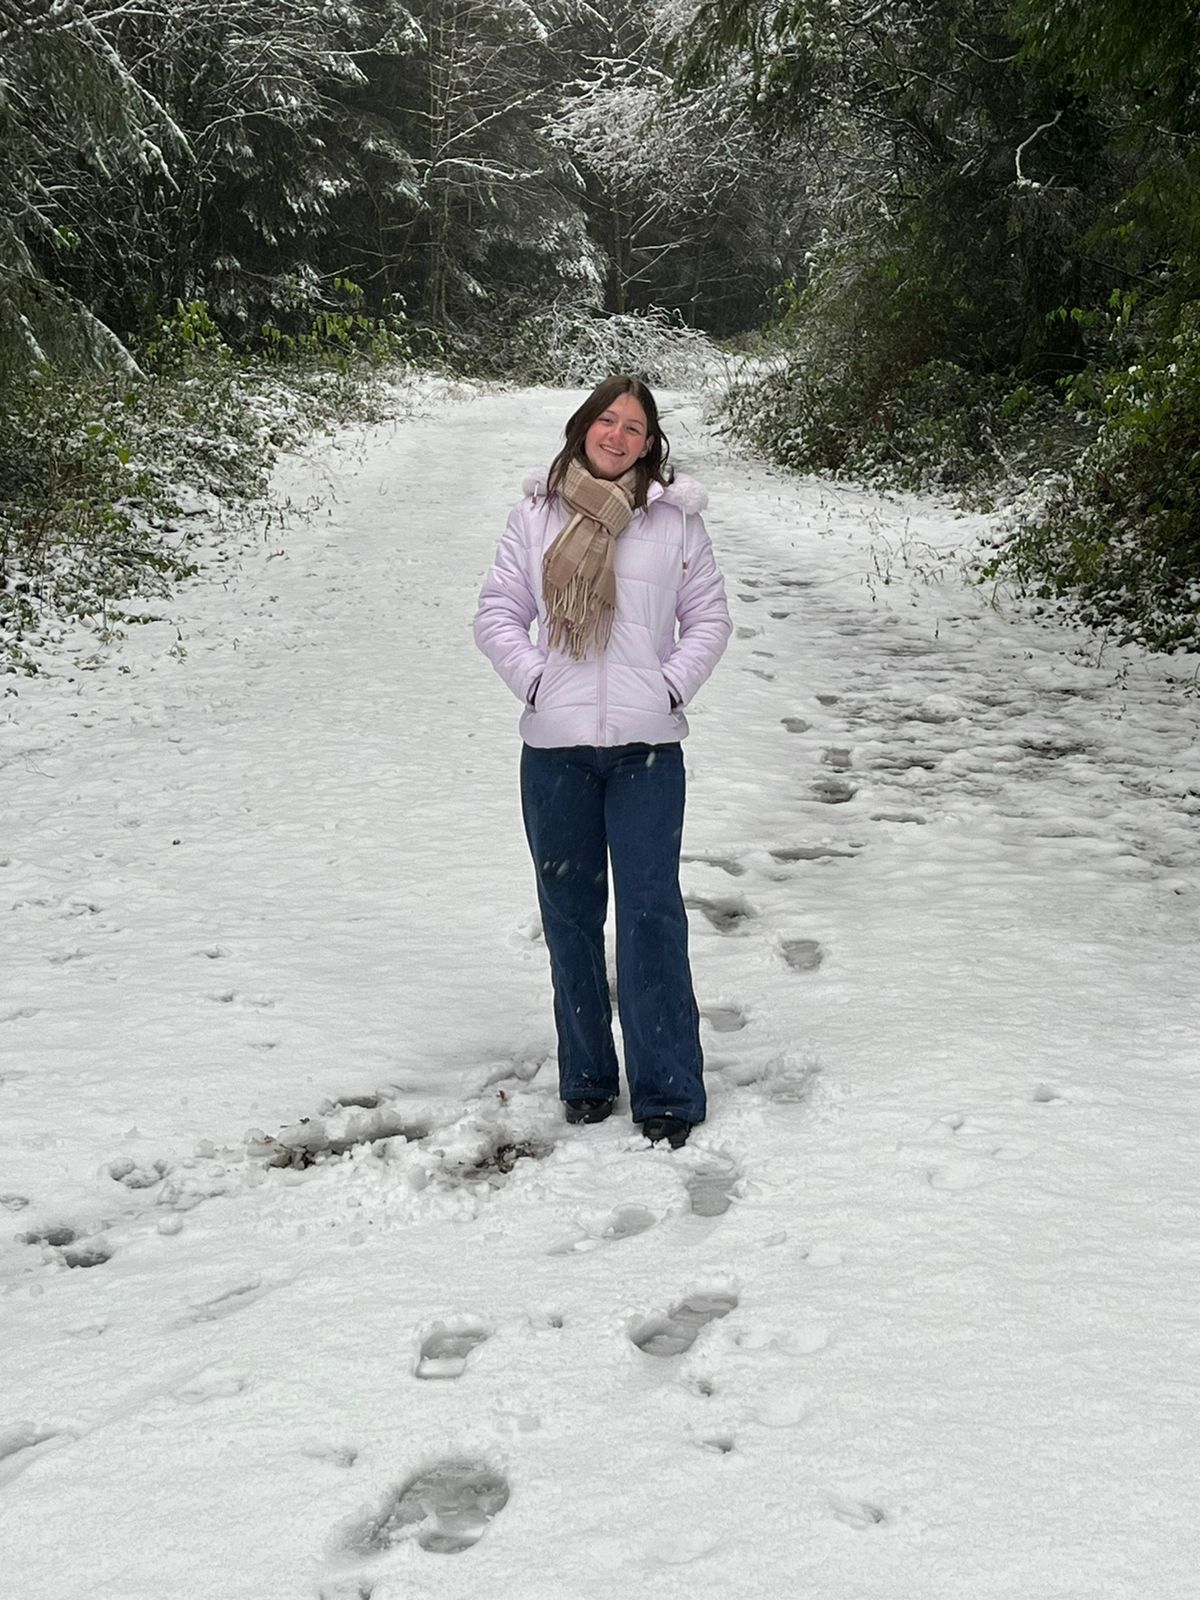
[682,491]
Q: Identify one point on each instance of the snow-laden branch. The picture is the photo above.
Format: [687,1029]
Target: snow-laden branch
[491,116]
[1022,181]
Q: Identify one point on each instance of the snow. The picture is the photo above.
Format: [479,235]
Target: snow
[308,1290]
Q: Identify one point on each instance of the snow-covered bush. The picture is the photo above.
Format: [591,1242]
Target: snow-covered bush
[575,347]
[1119,536]
[82,517]
[939,427]
[109,483]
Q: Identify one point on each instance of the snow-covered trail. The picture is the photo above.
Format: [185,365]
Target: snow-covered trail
[914,1314]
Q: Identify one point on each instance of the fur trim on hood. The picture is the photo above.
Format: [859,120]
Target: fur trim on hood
[684,492]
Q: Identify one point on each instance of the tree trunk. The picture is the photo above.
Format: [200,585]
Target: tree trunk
[442,75]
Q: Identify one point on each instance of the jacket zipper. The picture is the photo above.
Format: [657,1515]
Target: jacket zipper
[602,688]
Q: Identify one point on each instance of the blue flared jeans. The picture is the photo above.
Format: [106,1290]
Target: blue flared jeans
[585,806]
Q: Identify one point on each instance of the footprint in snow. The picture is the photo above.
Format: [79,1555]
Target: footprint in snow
[347,1589]
[447,1345]
[833,791]
[23,1443]
[899,816]
[711,1188]
[54,1236]
[256,1002]
[523,1069]
[737,1072]
[82,908]
[677,1331]
[721,1444]
[337,1455]
[227,1388]
[724,914]
[789,1079]
[836,758]
[939,708]
[126,1171]
[803,955]
[14,1202]
[446,1508]
[905,761]
[223,1305]
[957,1176]
[724,1019]
[796,724]
[1048,749]
[811,852]
[907,647]
[859,1514]
[806,1340]
[23,1436]
[63,1244]
[728,864]
[626,1222]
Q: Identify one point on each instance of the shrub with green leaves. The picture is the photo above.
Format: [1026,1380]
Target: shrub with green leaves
[81,516]
[1120,535]
[94,469]
[940,427]
[899,362]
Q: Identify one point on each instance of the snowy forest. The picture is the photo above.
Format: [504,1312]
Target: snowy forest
[960,238]
[320,1279]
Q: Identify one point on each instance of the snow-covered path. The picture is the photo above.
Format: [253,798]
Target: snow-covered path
[913,1317]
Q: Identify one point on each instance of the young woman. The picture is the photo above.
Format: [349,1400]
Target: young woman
[610,558]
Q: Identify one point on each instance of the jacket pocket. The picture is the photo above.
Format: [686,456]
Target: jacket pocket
[550,683]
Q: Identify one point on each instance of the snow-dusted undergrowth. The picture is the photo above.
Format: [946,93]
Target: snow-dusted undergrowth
[306,1288]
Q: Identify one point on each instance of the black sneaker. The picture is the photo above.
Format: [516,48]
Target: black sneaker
[671,1129]
[587,1110]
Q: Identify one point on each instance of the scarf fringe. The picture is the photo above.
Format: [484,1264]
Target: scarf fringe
[578,619]
[578,582]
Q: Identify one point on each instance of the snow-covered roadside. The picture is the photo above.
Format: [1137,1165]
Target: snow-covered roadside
[944,895]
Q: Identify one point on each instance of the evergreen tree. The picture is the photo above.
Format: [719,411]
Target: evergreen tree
[496,219]
[84,150]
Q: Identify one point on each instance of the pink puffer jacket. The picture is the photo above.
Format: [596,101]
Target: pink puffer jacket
[671,626]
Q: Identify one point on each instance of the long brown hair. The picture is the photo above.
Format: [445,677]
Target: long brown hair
[652,468]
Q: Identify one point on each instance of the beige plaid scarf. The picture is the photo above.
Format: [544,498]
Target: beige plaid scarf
[578,581]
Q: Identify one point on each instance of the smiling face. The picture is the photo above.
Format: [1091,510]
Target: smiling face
[619,437]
